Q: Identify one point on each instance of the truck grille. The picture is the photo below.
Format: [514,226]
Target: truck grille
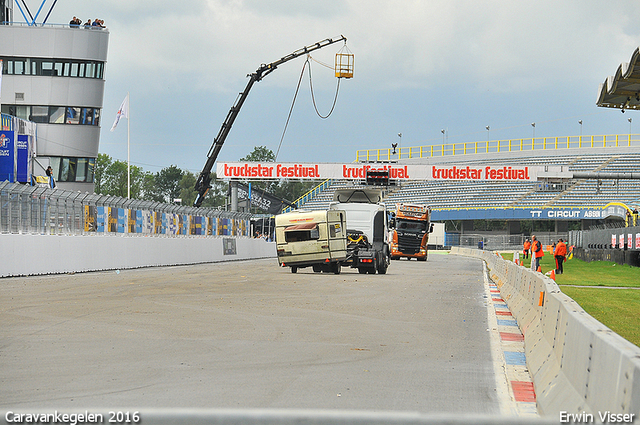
[409,243]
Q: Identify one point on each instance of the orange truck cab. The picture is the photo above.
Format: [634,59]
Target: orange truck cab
[410,232]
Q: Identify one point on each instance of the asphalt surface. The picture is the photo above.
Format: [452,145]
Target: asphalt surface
[250,335]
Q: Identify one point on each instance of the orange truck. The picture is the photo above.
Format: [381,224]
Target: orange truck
[410,232]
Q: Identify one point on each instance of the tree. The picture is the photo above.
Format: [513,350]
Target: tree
[102,163]
[216,196]
[260,154]
[167,182]
[111,178]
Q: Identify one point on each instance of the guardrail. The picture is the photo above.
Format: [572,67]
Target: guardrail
[494,146]
[28,209]
[578,365]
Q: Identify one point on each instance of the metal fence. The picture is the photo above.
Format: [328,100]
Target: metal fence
[500,242]
[625,238]
[41,210]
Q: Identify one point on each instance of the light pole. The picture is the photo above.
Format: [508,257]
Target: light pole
[533,125]
[488,128]
[629,119]
[400,146]
[442,131]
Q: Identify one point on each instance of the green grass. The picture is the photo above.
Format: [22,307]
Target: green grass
[618,309]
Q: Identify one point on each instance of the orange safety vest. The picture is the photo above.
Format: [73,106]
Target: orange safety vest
[561,249]
[537,247]
[527,245]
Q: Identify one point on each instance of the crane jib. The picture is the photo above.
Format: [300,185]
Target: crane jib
[203,182]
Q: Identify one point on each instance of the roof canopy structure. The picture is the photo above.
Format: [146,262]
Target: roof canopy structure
[622,90]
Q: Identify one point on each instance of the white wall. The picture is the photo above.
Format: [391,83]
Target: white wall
[23,255]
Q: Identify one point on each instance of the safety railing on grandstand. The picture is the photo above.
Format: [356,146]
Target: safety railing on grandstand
[512,145]
[309,195]
[40,210]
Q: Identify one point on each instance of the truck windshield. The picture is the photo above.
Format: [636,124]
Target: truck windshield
[411,226]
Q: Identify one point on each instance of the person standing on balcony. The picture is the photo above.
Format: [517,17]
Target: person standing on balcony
[52,182]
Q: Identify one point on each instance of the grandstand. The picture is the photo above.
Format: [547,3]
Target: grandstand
[509,200]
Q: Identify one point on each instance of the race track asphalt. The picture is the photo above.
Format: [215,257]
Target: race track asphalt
[250,334]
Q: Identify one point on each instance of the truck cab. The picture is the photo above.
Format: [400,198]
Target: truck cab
[410,232]
[366,228]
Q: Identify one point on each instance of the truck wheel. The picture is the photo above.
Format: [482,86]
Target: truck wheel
[317,268]
[294,269]
[382,267]
[421,258]
[362,270]
[337,268]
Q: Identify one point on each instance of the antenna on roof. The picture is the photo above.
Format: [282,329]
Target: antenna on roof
[47,17]
[33,18]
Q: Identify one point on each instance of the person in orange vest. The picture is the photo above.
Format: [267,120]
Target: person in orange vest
[538,252]
[560,253]
[526,248]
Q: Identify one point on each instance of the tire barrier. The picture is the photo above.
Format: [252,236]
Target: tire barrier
[578,365]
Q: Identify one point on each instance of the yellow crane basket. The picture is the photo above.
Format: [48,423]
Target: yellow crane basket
[344,63]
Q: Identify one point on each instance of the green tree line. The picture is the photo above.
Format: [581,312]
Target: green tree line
[172,183]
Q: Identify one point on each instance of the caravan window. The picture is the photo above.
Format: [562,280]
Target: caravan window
[301,232]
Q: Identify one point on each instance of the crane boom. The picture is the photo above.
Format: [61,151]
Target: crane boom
[203,184]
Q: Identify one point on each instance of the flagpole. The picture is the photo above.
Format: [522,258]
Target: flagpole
[128,143]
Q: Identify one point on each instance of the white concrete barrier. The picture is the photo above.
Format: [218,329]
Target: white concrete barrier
[24,255]
[578,365]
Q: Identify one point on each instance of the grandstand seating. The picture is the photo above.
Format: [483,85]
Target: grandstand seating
[500,195]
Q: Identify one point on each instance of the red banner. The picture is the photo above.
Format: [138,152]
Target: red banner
[321,171]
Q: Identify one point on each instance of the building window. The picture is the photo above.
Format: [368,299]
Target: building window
[52,67]
[54,114]
[73,115]
[39,114]
[73,169]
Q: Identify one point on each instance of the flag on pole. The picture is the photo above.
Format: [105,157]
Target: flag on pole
[122,112]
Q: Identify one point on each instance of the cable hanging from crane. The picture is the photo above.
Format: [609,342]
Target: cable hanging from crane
[343,69]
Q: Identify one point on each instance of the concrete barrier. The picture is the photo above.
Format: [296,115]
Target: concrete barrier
[24,255]
[578,365]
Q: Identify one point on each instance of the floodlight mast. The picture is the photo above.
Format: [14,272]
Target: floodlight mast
[203,184]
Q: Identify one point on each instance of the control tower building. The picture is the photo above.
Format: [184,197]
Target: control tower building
[53,75]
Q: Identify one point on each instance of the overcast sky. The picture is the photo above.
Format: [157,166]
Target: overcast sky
[420,67]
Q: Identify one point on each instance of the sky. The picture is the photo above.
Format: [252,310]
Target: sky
[420,67]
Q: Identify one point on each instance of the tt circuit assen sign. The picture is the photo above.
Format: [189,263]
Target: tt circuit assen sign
[272,170]
[530,213]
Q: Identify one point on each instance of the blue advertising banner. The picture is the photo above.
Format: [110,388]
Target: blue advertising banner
[121,221]
[529,213]
[7,156]
[22,159]
[139,221]
[101,219]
